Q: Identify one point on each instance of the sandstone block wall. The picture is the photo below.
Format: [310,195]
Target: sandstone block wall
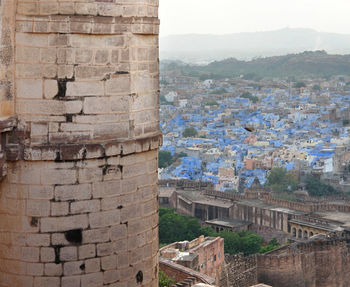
[239,271]
[318,263]
[79,204]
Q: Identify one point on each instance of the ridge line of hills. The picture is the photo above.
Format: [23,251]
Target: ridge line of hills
[199,48]
[314,64]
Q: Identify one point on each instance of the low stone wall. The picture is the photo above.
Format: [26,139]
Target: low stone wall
[187,184]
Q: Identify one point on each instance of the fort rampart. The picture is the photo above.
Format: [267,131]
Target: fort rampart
[79,80]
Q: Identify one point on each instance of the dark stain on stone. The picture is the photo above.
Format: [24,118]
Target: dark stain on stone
[34,222]
[139,277]
[74,236]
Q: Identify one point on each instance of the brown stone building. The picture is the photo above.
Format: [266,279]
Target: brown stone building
[204,255]
[257,211]
[80,135]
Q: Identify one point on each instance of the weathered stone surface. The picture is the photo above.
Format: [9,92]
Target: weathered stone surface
[86,142]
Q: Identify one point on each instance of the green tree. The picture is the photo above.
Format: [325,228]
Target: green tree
[164,280]
[211,103]
[164,159]
[174,227]
[249,96]
[189,132]
[219,92]
[299,85]
[273,244]
[245,242]
[317,188]
[316,88]
[179,155]
[279,180]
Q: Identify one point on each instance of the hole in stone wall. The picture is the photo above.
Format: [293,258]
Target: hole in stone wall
[121,72]
[57,249]
[139,277]
[82,267]
[69,118]
[58,157]
[62,88]
[74,236]
[34,222]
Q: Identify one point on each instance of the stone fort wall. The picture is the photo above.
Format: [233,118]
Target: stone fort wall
[79,204]
[317,263]
[239,271]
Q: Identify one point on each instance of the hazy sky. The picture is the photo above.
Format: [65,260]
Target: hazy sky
[232,16]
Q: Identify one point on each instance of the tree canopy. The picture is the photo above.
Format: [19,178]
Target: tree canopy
[164,280]
[174,227]
[189,132]
[279,180]
[249,96]
[317,188]
[316,88]
[299,85]
[165,158]
[245,242]
[273,244]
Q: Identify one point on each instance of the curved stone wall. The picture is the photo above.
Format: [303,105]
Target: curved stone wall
[79,204]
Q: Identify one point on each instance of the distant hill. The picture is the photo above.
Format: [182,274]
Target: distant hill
[306,64]
[205,48]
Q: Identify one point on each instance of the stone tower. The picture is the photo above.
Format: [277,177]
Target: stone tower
[79,139]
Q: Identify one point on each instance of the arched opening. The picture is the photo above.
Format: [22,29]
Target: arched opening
[306,234]
[311,233]
[300,233]
[294,232]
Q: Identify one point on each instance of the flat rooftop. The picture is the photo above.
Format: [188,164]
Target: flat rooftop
[166,191]
[328,227]
[231,223]
[260,203]
[197,197]
[342,217]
